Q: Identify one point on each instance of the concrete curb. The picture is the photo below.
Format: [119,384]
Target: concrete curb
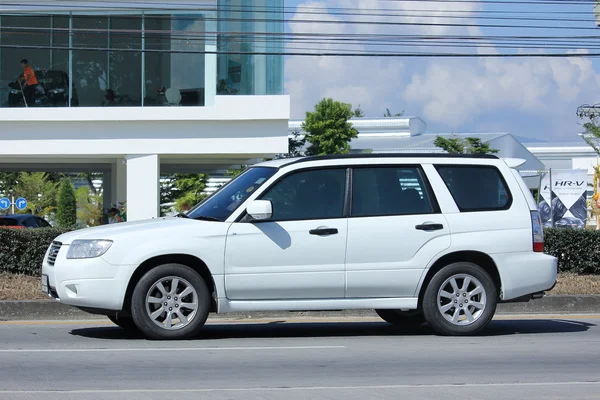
[52,310]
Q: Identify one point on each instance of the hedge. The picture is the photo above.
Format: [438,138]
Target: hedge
[22,250]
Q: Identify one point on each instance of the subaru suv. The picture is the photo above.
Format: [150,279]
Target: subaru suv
[433,238]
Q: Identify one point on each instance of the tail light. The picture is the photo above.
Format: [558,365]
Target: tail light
[538,232]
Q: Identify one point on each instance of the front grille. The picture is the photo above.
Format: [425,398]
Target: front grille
[53,252]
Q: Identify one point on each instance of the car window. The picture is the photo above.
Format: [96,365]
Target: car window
[42,223]
[30,222]
[476,187]
[314,194]
[221,204]
[8,222]
[383,191]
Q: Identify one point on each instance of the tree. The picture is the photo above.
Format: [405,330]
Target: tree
[8,180]
[358,112]
[388,114]
[188,190]
[327,128]
[89,207]
[469,145]
[39,191]
[66,213]
[591,126]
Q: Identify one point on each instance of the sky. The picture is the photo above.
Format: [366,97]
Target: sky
[529,97]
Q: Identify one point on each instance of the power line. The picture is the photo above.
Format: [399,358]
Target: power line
[315,53]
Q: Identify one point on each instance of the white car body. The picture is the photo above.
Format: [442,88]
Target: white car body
[372,263]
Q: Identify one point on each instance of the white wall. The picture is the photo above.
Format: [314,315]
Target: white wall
[248,125]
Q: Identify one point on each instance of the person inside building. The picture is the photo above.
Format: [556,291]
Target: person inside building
[29,82]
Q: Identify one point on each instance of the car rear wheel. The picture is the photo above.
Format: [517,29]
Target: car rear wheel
[460,300]
[170,301]
[408,318]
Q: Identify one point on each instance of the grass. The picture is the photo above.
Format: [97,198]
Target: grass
[21,287]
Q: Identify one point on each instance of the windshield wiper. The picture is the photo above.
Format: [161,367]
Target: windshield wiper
[207,218]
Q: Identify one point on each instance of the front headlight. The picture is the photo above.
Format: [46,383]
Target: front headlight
[88,248]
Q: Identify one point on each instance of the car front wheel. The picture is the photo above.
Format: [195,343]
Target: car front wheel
[170,301]
[460,300]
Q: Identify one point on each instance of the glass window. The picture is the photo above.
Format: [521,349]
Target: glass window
[221,204]
[250,27]
[476,188]
[90,61]
[315,194]
[124,80]
[389,191]
[174,62]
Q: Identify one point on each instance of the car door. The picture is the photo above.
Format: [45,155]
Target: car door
[299,253]
[394,230]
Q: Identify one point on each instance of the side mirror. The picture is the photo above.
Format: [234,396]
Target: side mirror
[260,210]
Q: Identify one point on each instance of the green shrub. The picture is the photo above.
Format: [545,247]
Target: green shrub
[66,215]
[578,250]
[22,251]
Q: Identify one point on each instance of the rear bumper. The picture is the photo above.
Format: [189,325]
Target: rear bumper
[525,274]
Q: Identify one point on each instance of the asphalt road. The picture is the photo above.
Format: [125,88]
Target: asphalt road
[518,358]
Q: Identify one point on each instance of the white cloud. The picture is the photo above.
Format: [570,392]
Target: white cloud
[451,93]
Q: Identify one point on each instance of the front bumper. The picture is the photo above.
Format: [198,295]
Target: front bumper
[87,283]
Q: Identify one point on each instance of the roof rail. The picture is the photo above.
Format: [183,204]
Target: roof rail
[390,155]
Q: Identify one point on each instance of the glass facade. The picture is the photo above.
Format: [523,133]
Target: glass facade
[143,58]
[250,43]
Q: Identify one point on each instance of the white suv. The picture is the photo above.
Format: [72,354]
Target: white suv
[435,238]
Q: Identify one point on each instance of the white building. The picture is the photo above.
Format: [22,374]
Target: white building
[133,88]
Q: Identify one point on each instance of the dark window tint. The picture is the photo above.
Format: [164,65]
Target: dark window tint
[42,223]
[315,194]
[389,191]
[8,222]
[476,188]
[30,223]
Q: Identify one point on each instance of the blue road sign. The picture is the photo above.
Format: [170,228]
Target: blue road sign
[21,203]
[4,203]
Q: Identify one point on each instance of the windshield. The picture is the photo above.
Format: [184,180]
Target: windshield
[228,198]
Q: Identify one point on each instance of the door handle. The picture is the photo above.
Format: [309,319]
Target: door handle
[430,227]
[323,231]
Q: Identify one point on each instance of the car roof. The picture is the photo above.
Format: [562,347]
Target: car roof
[18,217]
[283,162]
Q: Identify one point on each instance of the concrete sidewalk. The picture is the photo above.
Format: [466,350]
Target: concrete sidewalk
[52,310]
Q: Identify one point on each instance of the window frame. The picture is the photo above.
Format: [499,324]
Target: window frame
[245,218]
[461,209]
[435,206]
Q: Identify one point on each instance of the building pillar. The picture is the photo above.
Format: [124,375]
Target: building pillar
[143,187]
[118,183]
[107,190]
[210,62]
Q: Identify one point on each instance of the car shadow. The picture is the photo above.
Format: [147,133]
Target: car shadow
[281,329]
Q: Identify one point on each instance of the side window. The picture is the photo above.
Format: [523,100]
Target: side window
[30,223]
[476,187]
[389,191]
[42,223]
[314,194]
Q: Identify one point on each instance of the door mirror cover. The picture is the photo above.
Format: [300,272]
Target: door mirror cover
[260,210]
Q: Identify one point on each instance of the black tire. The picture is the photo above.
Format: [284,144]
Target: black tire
[412,318]
[141,316]
[125,323]
[434,315]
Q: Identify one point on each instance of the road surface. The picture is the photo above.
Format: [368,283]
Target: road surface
[546,357]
